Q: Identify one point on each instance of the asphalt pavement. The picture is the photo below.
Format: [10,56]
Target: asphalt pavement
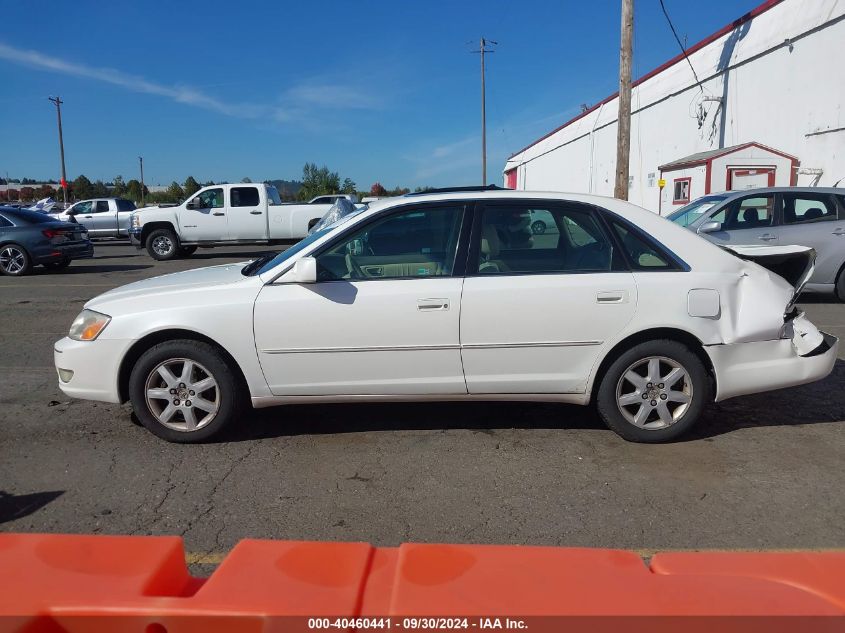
[761,472]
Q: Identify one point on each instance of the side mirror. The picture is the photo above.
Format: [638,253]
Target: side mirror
[193,203]
[305,270]
[710,227]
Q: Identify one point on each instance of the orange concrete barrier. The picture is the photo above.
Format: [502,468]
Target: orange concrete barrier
[54,583]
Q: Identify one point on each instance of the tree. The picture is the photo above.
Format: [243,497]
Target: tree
[318,181]
[191,186]
[82,188]
[99,190]
[133,190]
[27,193]
[13,194]
[246,179]
[174,192]
[46,191]
[348,186]
[377,190]
[119,187]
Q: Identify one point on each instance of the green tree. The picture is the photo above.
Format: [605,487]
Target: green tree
[81,188]
[191,186]
[119,187]
[99,189]
[246,179]
[318,181]
[174,192]
[348,186]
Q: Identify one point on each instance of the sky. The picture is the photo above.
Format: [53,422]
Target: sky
[379,91]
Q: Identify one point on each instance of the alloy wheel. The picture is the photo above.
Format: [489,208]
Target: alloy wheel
[163,245]
[654,392]
[12,260]
[182,394]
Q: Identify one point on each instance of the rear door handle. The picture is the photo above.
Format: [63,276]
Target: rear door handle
[255,212]
[432,305]
[767,237]
[612,296]
[218,213]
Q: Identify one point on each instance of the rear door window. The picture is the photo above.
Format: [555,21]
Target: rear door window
[125,205]
[244,196]
[642,252]
[806,208]
[101,206]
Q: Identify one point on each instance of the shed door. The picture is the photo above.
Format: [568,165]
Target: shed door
[740,178]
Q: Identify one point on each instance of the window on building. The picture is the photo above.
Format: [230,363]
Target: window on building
[681,190]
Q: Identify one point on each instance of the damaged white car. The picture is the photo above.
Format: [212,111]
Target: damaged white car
[452,296]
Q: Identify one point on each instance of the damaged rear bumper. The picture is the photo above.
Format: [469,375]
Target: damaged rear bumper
[745,368]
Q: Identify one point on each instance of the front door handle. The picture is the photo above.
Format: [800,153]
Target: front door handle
[432,305]
[767,237]
[612,296]
[219,213]
[255,212]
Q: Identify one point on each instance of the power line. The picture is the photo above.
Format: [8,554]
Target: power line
[681,46]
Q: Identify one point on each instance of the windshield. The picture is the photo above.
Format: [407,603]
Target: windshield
[694,210]
[268,262]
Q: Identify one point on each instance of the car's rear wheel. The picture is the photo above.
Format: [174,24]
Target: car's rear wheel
[14,260]
[654,392]
[184,391]
[162,244]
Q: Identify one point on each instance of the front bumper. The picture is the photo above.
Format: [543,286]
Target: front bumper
[745,368]
[95,366]
[135,237]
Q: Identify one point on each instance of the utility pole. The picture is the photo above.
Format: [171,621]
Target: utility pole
[57,101]
[141,160]
[483,50]
[623,132]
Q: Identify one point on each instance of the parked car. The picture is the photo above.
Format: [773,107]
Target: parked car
[416,298]
[225,214]
[31,238]
[810,216]
[103,217]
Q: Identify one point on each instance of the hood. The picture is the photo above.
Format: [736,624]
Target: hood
[186,281]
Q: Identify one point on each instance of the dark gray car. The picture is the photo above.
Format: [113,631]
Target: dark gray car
[808,216]
[29,238]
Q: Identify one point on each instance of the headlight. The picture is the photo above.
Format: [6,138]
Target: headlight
[88,325]
[134,221]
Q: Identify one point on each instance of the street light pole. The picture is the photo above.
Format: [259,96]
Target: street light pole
[483,49]
[141,160]
[57,101]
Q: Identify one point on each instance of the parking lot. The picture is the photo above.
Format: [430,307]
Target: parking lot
[761,472]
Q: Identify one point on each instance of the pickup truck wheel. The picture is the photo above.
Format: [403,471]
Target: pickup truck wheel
[162,244]
[654,392]
[187,251]
[183,391]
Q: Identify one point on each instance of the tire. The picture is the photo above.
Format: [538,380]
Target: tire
[671,417]
[163,245]
[14,260]
[154,401]
[538,227]
[840,285]
[187,251]
[59,265]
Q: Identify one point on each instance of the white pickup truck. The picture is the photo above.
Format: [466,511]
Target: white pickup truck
[221,215]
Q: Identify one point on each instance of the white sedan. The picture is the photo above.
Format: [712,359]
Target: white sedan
[447,296]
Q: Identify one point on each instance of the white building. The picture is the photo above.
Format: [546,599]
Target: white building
[769,109]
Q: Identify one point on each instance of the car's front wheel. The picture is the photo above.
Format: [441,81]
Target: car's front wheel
[162,244]
[183,391]
[654,392]
[14,260]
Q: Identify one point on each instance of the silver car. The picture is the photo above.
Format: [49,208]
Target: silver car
[103,217]
[809,216]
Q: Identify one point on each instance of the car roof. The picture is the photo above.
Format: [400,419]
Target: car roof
[764,190]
